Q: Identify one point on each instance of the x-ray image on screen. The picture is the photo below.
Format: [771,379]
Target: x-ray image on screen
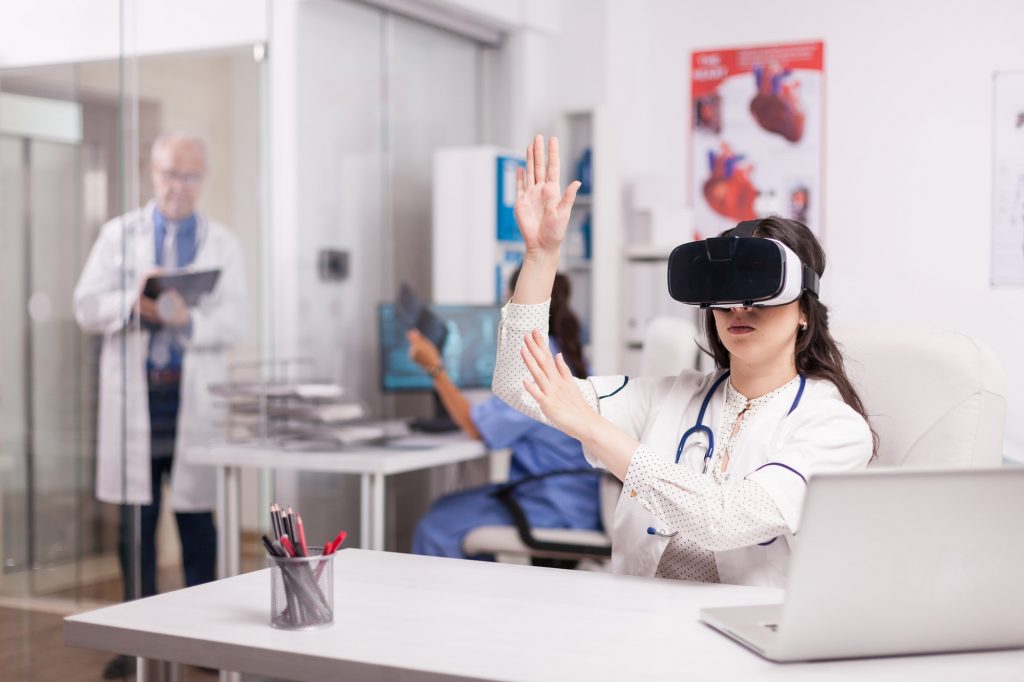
[469,349]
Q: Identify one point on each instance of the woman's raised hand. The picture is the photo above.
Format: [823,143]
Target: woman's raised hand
[554,389]
[542,210]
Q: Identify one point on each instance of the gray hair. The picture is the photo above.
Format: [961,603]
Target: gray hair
[165,139]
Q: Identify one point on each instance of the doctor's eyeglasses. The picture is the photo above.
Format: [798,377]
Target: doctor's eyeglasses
[187,179]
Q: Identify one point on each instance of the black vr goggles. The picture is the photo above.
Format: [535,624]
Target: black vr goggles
[738,271]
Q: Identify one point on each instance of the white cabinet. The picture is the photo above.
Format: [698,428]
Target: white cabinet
[473,246]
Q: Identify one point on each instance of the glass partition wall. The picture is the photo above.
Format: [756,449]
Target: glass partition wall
[56,190]
[375,94]
[75,168]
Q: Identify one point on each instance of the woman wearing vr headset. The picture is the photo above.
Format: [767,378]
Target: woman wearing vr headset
[714,466]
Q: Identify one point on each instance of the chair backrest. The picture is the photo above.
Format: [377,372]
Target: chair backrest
[935,397]
[608,493]
[670,346]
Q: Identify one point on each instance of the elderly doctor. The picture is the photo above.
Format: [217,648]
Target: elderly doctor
[714,467]
[159,356]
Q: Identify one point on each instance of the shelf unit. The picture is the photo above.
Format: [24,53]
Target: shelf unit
[597,280]
[473,195]
[576,135]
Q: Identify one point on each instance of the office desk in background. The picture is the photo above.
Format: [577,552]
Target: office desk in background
[372,463]
[405,617]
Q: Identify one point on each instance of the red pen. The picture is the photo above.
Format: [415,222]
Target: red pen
[327,548]
[302,536]
[336,543]
[288,546]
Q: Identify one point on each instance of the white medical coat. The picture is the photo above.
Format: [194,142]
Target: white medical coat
[104,297]
[777,450]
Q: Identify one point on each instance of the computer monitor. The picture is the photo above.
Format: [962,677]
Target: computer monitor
[468,353]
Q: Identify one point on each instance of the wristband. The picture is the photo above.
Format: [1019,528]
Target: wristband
[435,370]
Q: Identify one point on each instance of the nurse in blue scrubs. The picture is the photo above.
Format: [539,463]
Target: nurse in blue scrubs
[553,502]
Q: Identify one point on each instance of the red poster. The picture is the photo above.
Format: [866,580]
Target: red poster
[758,135]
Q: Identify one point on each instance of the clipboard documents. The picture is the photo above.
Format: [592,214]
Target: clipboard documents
[191,284]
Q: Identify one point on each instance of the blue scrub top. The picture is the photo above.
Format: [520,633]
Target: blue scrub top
[537,449]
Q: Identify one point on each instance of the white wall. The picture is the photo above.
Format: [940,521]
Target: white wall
[64,31]
[909,157]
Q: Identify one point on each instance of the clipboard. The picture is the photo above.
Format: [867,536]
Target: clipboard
[192,284]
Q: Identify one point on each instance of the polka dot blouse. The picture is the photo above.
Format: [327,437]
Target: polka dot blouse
[707,513]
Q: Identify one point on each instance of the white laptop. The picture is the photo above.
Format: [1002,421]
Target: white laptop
[891,562]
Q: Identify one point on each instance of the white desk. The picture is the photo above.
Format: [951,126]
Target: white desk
[373,463]
[404,617]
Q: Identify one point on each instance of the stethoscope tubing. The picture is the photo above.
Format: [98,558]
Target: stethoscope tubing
[699,427]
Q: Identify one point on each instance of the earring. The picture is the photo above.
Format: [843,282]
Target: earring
[803,326]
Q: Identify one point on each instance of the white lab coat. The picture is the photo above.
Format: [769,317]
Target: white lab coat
[103,304]
[776,450]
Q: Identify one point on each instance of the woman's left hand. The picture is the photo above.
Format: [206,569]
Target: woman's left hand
[555,390]
[422,351]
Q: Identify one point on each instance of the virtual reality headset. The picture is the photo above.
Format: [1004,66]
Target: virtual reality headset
[738,271]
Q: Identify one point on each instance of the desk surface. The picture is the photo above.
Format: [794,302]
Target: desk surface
[401,455]
[421,618]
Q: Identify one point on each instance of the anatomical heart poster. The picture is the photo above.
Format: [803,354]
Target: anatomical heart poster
[758,135]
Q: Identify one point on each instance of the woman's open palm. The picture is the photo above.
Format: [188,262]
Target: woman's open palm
[542,210]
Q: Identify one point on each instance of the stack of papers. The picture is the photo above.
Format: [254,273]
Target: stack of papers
[268,389]
[296,412]
[331,413]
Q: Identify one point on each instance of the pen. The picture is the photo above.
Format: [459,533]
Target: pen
[303,551]
[329,549]
[289,523]
[288,546]
[275,519]
[268,543]
[336,543]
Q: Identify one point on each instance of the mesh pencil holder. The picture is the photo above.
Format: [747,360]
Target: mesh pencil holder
[302,591]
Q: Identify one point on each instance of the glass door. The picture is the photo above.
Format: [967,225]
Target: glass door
[47,443]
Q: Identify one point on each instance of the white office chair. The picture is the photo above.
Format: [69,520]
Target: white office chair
[934,397]
[669,347]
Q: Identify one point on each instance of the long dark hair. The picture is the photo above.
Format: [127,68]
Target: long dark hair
[817,354]
[563,323]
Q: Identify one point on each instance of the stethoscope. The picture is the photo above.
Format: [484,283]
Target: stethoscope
[699,427]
